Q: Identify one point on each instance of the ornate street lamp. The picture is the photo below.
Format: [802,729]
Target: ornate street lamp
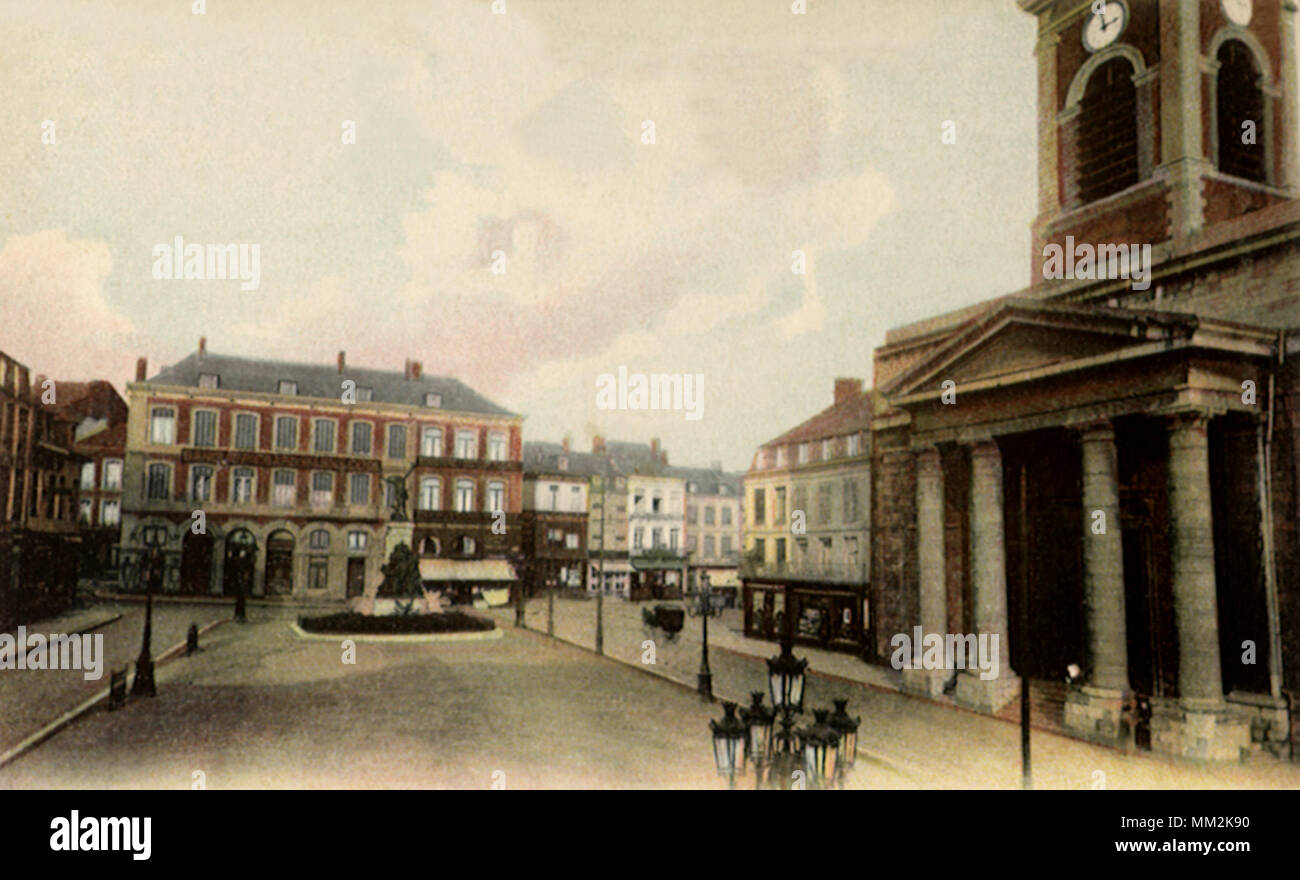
[818,743]
[846,727]
[785,678]
[143,686]
[704,607]
[758,742]
[729,743]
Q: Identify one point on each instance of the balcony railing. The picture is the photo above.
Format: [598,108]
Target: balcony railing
[824,572]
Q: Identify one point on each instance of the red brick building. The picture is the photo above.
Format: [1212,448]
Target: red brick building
[298,463]
[1102,469]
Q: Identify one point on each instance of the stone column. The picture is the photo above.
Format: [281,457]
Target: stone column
[930,568]
[1095,710]
[979,690]
[1182,150]
[1288,107]
[1200,728]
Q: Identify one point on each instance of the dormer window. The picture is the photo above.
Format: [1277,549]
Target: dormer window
[288,388]
[209,380]
[563,463]
[433,400]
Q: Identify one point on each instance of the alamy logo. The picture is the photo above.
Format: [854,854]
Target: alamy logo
[672,391]
[211,262]
[102,834]
[950,651]
[1105,261]
[85,651]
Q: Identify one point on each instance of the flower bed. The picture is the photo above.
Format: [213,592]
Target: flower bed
[348,622]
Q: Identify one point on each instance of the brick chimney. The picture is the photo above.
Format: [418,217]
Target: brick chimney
[654,448]
[406,370]
[342,363]
[564,444]
[141,369]
[846,389]
[203,347]
[417,370]
[598,445]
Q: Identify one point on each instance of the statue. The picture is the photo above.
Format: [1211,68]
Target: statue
[399,498]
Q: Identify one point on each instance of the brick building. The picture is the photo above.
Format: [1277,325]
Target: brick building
[299,463]
[39,543]
[1103,468]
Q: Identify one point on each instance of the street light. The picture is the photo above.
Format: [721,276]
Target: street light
[758,743]
[785,678]
[817,742]
[729,743]
[144,686]
[704,607]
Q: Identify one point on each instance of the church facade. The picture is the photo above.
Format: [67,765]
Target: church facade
[1102,467]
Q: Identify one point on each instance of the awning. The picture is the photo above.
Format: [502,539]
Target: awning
[466,570]
[658,563]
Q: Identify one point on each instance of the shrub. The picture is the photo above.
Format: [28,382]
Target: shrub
[351,622]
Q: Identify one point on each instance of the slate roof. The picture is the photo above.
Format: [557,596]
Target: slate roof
[543,457]
[325,381]
[707,481]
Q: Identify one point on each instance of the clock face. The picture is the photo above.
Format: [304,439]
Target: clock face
[1105,23]
[1236,11]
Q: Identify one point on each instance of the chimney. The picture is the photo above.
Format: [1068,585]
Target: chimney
[341,363]
[564,444]
[846,389]
[417,370]
[141,369]
[598,445]
[654,448]
[406,370]
[203,346]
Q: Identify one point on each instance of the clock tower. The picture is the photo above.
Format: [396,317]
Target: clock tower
[1160,119]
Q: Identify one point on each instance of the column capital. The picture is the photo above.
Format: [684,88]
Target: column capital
[1094,430]
[925,450]
[1189,419]
[984,448]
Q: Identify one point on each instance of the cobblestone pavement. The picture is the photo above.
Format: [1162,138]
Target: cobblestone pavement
[261,707]
[930,744]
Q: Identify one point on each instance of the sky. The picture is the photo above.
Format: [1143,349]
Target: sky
[522,135]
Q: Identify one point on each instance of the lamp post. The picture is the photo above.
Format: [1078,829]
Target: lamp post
[818,743]
[758,743]
[704,607]
[729,737]
[144,686]
[846,728]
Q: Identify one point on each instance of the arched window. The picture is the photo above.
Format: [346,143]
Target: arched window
[1108,136]
[1240,106]
[430,547]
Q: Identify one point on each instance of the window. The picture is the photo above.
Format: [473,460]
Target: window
[322,435]
[88,475]
[692,515]
[562,463]
[496,496]
[466,444]
[286,432]
[361,438]
[851,442]
[430,493]
[850,501]
[241,486]
[825,550]
[162,425]
[726,516]
[431,442]
[778,505]
[205,428]
[110,513]
[782,456]
[467,545]
[1107,132]
[283,485]
[638,502]
[397,441]
[555,536]
[245,431]
[575,499]
[433,399]
[828,449]
[638,538]
[159,482]
[200,482]
[318,570]
[209,380]
[359,488]
[805,452]
[708,546]
[780,551]
[851,551]
[824,503]
[760,549]
[357,542]
[726,545]
[430,547]
[83,515]
[555,496]
[656,537]
[113,474]
[760,514]
[674,538]
[322,489]
[1238,100]
[319,540]
[656,503]
[571,541]
[464,496]
[365,394]
[496,446]
[691,541]
[287,387]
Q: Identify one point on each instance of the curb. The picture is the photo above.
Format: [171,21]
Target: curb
[82,708]
[408,638]
[214,600]
[717,697]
